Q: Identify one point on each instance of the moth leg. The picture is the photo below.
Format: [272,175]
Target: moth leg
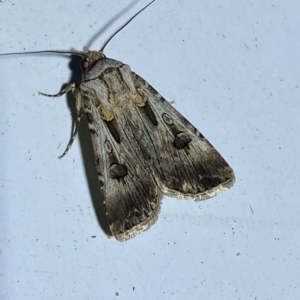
[67,89]
[70,87]
[73,137]
[80,114]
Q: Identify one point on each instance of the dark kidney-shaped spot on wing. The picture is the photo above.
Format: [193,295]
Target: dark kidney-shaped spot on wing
[181,140]
[117,171]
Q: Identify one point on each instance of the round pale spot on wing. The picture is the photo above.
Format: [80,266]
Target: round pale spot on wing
[167,119]
[108,146]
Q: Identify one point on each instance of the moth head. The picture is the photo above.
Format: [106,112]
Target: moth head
[89,58]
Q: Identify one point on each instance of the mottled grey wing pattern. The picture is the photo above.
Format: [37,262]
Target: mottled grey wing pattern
[184,163]
[143,145]
[131,195]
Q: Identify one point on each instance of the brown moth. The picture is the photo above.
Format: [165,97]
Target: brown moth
[143,146]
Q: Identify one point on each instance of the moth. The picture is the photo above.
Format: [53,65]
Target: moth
[143,146]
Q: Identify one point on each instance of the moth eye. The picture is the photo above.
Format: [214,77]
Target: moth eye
[181,140]
[116,171]
[84,64]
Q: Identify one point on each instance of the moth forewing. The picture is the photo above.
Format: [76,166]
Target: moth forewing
[186,164]
[131,195]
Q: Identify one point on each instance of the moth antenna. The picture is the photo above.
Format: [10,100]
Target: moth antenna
[80,53]
[74,52]
[118,30]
